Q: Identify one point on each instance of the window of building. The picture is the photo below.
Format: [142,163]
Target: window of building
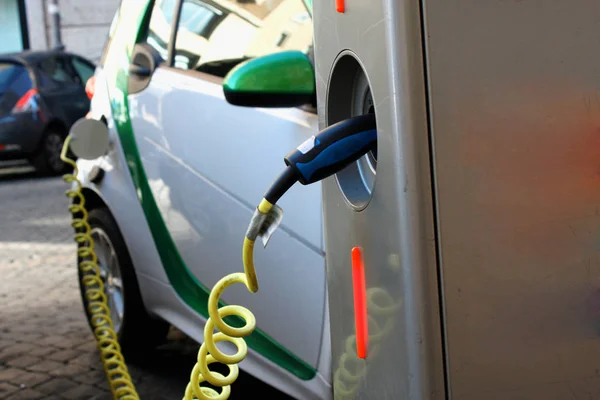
[14,30]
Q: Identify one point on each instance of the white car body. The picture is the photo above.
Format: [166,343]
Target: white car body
[206,164]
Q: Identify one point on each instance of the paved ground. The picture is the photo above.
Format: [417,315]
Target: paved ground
[46,348]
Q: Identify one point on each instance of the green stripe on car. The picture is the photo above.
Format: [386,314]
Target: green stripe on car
[189,289]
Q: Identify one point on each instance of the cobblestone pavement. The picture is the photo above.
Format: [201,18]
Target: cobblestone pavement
[46,348]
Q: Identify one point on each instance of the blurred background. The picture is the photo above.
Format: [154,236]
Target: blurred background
[32,25]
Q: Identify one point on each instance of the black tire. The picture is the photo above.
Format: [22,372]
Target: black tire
[138,332]
[46,160]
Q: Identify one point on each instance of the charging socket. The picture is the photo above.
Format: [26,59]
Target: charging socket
[349,95]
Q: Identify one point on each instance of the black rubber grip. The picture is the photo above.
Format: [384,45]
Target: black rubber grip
[333,149]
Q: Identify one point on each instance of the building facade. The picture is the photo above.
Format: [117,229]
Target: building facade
[27,24]
[13,19]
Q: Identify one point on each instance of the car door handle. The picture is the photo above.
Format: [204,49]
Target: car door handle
[139,70]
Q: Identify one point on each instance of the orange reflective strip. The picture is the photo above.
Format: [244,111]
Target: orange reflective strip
[360,302]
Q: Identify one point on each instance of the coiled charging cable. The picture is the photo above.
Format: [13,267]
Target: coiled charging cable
[113,361]
[317,158]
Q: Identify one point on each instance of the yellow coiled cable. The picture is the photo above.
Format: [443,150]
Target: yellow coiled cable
[113,361]
[115,368]
[346,379]
[209,353]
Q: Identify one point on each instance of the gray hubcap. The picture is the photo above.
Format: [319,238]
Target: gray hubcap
[110,273]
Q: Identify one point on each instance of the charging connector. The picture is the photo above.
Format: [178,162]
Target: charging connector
[334,148]
[326,153]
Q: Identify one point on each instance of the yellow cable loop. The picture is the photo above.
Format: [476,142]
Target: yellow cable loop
[209,353]
[346,380]
[115,368]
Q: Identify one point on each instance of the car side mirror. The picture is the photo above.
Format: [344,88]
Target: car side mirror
[284,79]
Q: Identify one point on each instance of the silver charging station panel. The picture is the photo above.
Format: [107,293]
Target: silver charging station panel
[480,225]
[390,217]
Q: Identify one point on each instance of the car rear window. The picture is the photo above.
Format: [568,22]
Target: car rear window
[14,83]
[14,78]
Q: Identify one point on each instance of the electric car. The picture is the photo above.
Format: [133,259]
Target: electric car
[172,197]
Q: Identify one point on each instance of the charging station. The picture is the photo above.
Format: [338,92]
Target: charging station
[462,255]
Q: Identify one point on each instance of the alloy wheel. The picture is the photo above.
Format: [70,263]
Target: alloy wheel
[110,272]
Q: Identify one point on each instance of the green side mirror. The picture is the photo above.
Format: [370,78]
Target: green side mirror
[284,79]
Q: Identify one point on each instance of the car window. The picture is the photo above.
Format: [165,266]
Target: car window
[84,69]
[54,71]
[196,17]
[14,78]
[199,18]
[14,83]
[159,28]
[214,38]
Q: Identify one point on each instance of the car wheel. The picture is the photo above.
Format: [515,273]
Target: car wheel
[136,330]
[47,160]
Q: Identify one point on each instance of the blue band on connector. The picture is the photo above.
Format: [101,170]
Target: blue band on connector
[337,152]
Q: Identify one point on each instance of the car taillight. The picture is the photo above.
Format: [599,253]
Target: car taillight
[27,102]
[90,86]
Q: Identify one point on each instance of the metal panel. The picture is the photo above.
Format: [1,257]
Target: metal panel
[395,226]
[516,125]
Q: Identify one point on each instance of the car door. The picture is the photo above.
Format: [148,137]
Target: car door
[61,89]
[208,164]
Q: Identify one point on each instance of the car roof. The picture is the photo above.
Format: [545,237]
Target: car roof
[30,57]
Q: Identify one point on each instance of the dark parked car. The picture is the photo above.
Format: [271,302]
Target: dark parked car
[42,94]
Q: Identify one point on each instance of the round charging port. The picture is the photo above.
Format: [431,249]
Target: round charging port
[349,95]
